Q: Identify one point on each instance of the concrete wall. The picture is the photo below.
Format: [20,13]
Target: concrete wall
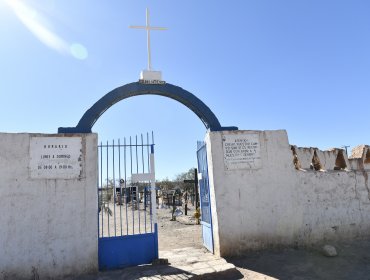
[48,227]
[280,203]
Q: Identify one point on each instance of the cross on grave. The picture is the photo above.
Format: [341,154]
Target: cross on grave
[148,28]
[195,182]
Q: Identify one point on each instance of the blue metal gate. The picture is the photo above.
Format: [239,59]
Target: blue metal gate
[127,231]
[205,203]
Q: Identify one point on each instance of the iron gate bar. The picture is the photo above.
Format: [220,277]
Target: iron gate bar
[113,221]
[100,191]
[137,188]
[120,184]
[114,190]
[131,197]
[137,163]
[142,152]
[153,190]
[108,189]
[138,243]
[151,202]
[142,160]
[147,147]
[125,184]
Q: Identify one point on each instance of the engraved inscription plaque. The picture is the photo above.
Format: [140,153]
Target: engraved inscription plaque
[55,157]
[241,151]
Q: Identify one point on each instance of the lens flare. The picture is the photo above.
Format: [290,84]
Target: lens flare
[78,51]
[38,26]
[32,21]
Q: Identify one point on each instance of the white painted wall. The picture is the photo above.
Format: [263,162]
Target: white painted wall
[48,228]
[280,205]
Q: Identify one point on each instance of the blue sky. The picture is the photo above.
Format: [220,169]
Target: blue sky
[303,66]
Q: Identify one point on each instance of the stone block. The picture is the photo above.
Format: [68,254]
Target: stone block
[329,251]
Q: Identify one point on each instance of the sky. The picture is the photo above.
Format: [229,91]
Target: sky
[303,66]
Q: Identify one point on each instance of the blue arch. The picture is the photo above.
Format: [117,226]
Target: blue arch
[134,89]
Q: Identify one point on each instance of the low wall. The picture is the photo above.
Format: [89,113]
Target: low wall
[280,194]
[48,226]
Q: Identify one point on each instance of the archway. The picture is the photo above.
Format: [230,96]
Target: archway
[117,249]
[186,98]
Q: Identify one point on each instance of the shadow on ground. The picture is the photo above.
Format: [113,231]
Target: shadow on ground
[232,274]
[160,272]
[352,262]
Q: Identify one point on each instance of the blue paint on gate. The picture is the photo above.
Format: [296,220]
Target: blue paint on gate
[122,243]
[205,200]
[124,251]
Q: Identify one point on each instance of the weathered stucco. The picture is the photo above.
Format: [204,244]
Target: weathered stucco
[280,204]
[360,157]
[48,227]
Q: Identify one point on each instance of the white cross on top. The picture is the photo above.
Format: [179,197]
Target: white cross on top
[147,27]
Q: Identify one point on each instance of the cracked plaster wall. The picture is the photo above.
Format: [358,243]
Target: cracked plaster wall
[278,205]
[48,228]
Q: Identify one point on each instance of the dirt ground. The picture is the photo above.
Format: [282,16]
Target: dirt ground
[352,262]
[180,233]
[134,219]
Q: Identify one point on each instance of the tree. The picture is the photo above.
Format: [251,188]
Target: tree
[166,184]
[189,175]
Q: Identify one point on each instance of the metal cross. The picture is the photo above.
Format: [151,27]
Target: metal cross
[147,27]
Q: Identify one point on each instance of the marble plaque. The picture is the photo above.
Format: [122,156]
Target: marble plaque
[242,151]
[55,157]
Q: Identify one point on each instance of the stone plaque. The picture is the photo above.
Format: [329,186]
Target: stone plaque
[242,151]
[55,157]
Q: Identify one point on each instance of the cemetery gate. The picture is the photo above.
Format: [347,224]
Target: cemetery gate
[205,202]
[128,233]
[123,240]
